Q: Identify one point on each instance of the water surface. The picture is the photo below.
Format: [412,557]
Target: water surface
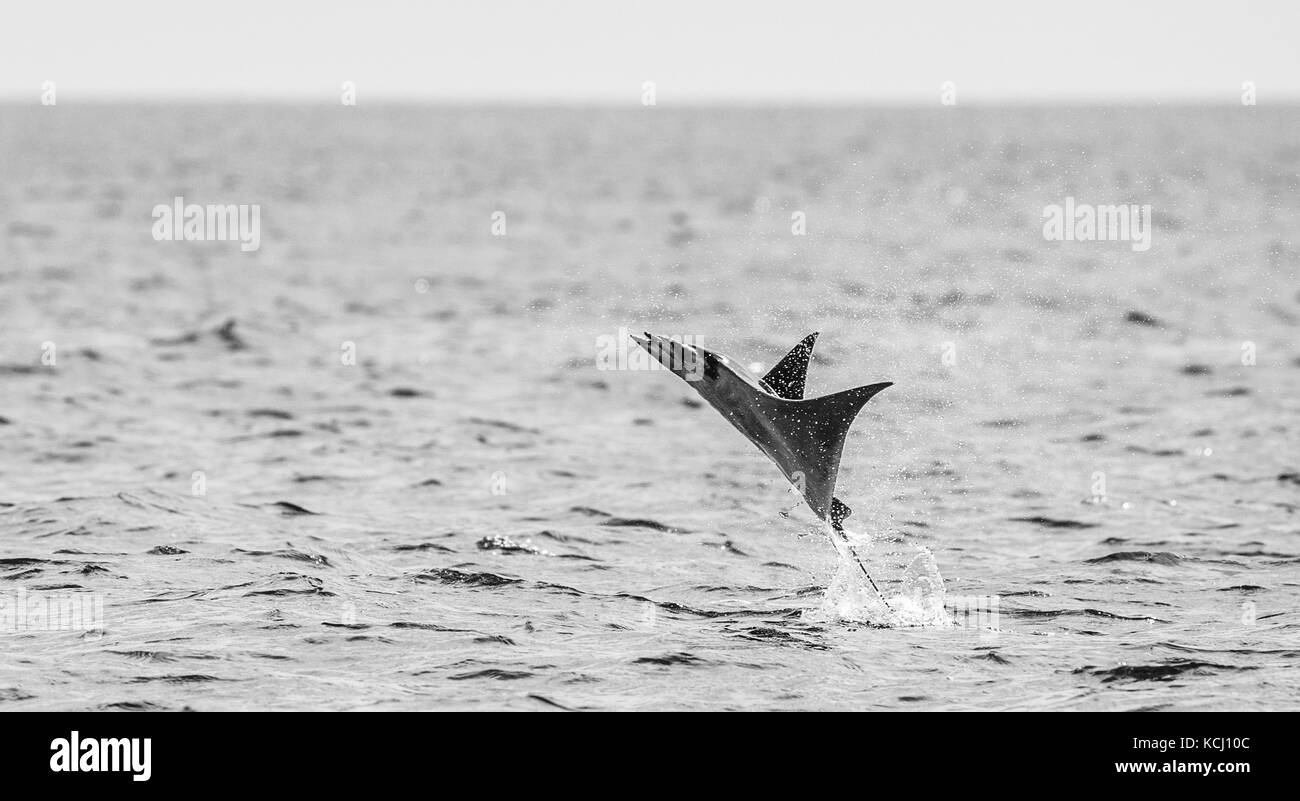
[473,515]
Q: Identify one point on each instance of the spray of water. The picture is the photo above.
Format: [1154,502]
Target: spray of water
[880,586]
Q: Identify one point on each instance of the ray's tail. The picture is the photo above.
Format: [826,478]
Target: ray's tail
[837,531]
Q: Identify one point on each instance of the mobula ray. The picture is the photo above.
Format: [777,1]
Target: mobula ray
[802,437]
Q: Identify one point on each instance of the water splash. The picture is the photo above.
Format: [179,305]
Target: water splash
[901,596]
[922,596]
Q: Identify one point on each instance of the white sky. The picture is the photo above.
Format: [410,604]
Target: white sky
[695,51]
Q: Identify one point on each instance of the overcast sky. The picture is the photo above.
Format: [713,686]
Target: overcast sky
[694,51]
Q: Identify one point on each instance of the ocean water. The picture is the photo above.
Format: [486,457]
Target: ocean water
[377,464]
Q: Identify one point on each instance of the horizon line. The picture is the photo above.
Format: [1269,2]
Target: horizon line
[1021,101]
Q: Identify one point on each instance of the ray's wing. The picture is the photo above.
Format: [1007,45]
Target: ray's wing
[786,379]
[815,435]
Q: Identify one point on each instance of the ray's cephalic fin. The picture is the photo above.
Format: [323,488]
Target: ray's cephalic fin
[839,512]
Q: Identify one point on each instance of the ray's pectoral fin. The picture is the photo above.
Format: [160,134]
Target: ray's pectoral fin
[836,412]
[828,419]
[786,379]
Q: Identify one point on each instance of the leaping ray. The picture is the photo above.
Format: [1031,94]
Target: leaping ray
[804,438]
